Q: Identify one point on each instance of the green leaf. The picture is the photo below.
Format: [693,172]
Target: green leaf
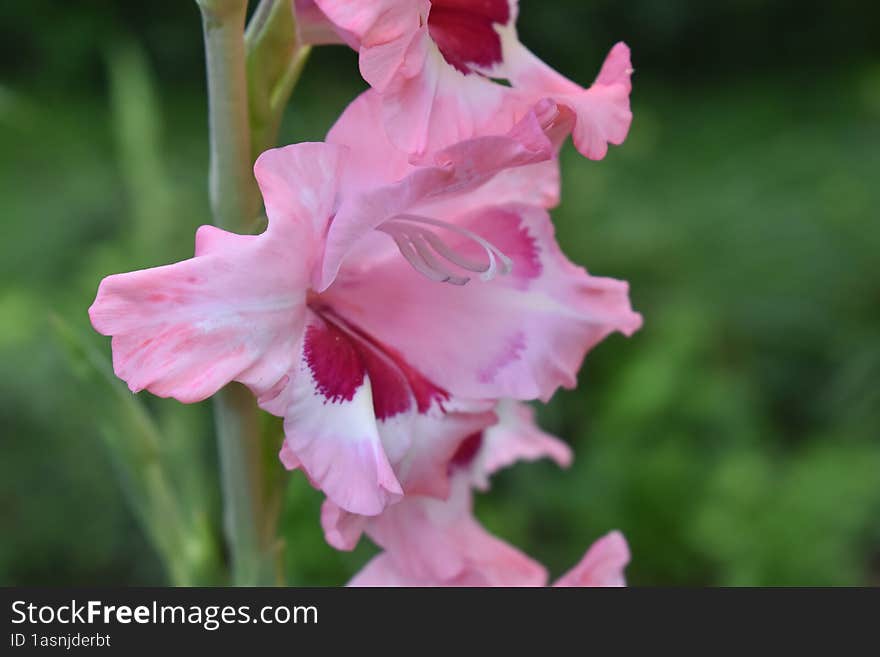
[275,60]
[185,542]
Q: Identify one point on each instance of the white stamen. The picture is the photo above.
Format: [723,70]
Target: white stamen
[418,240]
[419,247]
[408,252]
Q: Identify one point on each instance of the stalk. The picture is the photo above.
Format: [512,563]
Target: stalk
[249,516]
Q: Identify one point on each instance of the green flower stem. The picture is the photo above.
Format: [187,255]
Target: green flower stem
[234,195]
[251,514]
[183,540]
[250,520]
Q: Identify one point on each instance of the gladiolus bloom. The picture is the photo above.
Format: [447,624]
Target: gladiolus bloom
[434,63]
[354,316]
[431,542]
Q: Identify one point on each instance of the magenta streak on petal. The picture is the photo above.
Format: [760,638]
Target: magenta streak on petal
[336,365]
[339,354]
[467,451]
[424,392]
[463,31]
[391,394]
[510,236]
[514,346]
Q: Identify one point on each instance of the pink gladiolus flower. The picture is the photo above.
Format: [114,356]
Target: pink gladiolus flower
[434,61]
[350,318]
[431,542]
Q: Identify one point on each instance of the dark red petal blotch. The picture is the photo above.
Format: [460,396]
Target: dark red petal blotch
[335,363]
[339,355]
[463,31]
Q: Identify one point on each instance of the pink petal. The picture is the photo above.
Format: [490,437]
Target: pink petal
[371,159]
[520,336]
[532,184]
[602,112]
[459,169]
[380,571]
[233,313]
[299,185]
[342,529]
[602,565]
[430,439]
[330,424]
[428,105]
[439,543]
[424,467]
[383,61]
[514,438]
[374,21]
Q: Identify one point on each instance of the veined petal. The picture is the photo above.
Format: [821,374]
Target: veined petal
[382,62]
[532,184]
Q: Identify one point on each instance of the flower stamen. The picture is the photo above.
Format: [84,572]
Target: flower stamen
[421,247]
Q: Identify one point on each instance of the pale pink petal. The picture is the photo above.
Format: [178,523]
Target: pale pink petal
[521,335]
[330,423]
[233,313]
[602,565]
[514,438]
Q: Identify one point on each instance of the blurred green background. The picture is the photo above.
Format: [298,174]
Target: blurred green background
[735,439]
